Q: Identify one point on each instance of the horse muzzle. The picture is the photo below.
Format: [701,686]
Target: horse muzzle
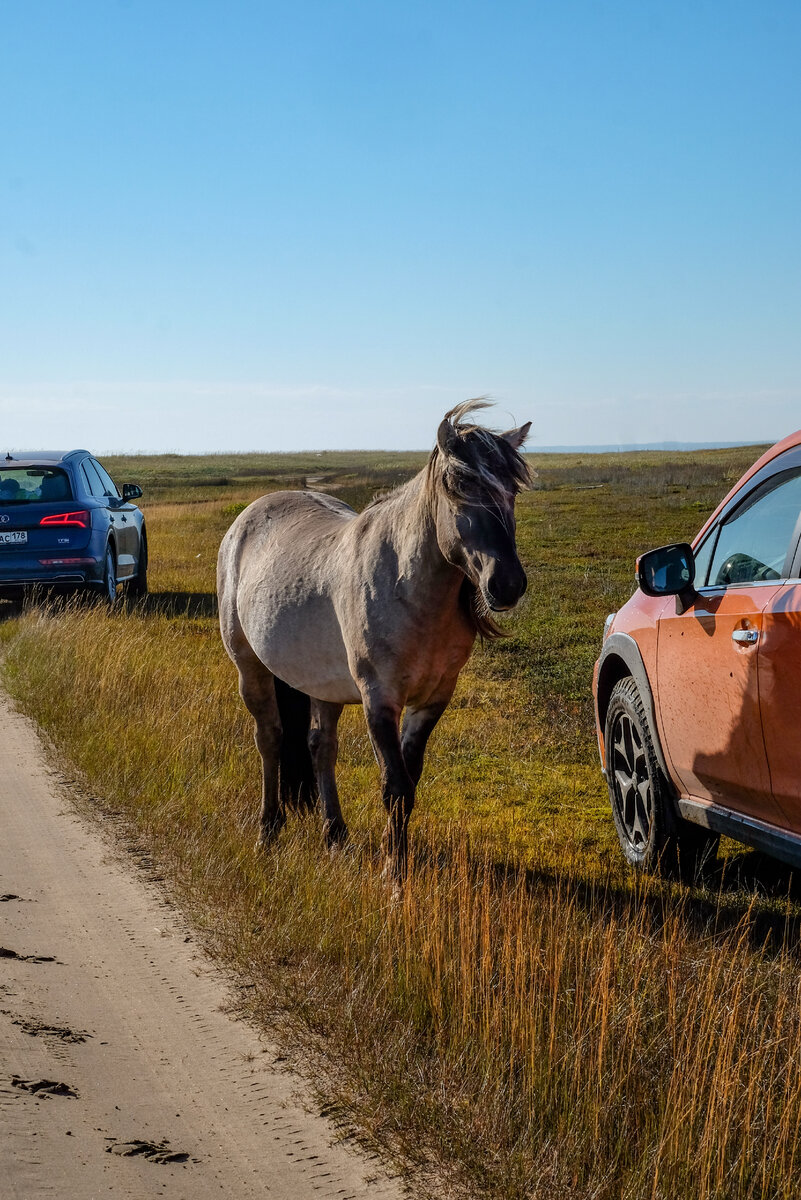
[504,588]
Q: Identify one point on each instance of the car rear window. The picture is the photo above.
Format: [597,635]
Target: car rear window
[24,485]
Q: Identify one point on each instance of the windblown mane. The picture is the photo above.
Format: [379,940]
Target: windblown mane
[486,466]
[483,469]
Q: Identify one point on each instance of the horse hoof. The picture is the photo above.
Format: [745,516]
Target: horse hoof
[336,836]
[392,881]
[267,838]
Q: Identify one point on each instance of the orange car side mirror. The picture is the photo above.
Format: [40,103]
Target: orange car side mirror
[668,571]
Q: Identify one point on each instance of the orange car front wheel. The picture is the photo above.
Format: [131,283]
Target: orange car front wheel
[652,836]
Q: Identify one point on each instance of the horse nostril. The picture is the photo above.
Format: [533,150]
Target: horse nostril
[505,593]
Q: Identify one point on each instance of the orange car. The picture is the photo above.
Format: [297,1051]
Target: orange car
[698,686]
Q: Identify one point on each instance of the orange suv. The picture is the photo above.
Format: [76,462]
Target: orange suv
[698,686]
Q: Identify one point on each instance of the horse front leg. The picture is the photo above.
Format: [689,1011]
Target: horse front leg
[397,785]
[324,744]
[418,725]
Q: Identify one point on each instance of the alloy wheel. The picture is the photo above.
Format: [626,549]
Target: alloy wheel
[109,578]
[632,781]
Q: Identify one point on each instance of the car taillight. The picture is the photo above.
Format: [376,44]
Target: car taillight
[65,562]
[70,518]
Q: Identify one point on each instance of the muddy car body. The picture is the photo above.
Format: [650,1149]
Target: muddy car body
[698,686]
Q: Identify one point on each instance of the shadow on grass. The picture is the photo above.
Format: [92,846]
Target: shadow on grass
[748,891]
[179,604]
[758,874]
[169,604]
[10,609]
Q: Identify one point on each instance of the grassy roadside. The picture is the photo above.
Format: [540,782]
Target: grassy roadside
[529,1022]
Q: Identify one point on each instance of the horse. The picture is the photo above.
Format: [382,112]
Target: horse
[321,607]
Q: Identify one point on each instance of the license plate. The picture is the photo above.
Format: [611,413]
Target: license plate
[16,537]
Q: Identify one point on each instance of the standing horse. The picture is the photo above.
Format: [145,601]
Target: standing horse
[321,607]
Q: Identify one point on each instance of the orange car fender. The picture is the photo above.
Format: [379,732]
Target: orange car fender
[621,657]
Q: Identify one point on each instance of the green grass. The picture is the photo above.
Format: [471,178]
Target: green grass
[530,1021]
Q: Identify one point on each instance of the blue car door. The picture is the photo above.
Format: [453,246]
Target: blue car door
[122,518]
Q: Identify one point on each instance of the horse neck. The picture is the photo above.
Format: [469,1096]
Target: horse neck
[412,529]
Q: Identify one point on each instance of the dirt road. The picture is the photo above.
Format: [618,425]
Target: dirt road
[120,1075]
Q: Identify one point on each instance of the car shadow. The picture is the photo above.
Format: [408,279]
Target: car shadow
[169,604]
[754,872]
[178,604]
[749,892]
[10,608]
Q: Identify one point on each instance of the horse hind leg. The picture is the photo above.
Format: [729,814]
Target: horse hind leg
[257,689]
[324,745]
[297,783]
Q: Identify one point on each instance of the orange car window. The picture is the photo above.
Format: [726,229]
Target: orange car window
[752,545]
[702,556]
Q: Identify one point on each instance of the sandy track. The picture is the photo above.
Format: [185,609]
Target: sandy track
[104,995]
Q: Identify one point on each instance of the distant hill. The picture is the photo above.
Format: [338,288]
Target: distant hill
[626,449]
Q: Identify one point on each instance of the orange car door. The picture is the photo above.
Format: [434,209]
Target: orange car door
[707,686]
[780,698]
[708,681]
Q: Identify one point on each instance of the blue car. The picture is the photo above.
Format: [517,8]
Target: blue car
[64,525]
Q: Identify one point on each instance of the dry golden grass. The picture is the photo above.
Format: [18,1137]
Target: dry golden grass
[529,1021]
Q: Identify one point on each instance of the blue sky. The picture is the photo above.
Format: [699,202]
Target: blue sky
[254,226]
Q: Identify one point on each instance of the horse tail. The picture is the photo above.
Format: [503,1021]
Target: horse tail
[297,784]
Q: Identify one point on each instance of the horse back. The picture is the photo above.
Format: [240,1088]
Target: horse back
[274,580]
[281,525]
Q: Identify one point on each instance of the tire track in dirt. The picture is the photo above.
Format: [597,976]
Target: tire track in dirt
[121,1073]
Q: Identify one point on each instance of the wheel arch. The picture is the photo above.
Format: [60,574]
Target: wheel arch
[621,657]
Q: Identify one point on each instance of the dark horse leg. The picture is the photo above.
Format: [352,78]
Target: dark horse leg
[418,725]
[323,745]
[298,787]
[257,689]
[397,784]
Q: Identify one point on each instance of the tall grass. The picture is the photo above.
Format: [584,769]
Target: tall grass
[532,1031]
[529,1021]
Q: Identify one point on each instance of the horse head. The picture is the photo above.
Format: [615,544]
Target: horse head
[475,475]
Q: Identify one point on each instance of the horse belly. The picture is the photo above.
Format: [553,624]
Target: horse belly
[300,641]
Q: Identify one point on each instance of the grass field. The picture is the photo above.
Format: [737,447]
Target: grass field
[530,1021]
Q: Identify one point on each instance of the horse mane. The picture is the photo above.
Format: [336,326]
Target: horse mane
[475,609]
[482,467]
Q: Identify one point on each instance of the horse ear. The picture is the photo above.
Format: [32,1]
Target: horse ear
[447,437]
[516,437]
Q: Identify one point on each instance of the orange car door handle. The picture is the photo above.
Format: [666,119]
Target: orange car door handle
[745,636]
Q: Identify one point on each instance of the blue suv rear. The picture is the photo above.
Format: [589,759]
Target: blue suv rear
[64,524]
